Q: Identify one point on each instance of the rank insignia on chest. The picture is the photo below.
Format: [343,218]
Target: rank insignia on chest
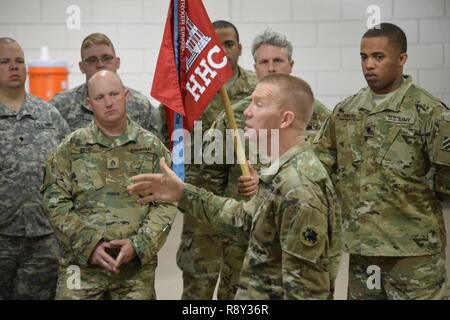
[309,236]
[112,163]
[446,144]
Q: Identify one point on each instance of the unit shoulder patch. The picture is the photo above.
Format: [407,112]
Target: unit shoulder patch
[309,235]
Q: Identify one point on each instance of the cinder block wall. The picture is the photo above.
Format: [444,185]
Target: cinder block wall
[325,34]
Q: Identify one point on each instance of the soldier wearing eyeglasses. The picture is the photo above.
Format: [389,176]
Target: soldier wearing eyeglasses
[97,53]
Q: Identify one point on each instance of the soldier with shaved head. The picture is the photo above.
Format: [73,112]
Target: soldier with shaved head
[106,234]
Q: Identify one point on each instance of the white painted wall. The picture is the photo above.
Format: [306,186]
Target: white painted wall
[325,35]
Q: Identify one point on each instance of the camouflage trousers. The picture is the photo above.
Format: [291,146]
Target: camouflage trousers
[28,267]
[203,255]
[397,278]
[134,282]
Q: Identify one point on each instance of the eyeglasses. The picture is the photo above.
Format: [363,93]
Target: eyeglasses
[106,59]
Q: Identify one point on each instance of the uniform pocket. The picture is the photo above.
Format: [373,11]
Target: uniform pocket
[142,161]
[348,139]
[87,175]
[401,152]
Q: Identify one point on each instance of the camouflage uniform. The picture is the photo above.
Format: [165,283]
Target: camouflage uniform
[28,248]
[318,118]
[73,106]
[223,180]
[200,253]
[391,165]
[292,223]
[86,200]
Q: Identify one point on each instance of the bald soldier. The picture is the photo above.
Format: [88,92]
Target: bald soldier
[29,130]
[291,221]
[272,53]
[112,239]
[387,147]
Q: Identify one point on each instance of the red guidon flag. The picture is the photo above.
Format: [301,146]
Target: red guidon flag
[190,42]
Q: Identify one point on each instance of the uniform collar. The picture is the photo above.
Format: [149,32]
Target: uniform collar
[269,173]
[28,108]
[392,104]
[96,136]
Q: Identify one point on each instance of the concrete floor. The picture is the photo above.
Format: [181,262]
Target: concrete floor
[169,282]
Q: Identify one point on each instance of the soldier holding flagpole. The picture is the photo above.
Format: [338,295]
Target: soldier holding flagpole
[202,69]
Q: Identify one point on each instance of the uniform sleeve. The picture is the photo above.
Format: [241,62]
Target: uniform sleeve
[152,121]
[62,104]
[439,150]
[159,125]
[304,244]
[334,233]
[319,116]
[215,173]
[224,213]
[163,118]
[155,228]
[57,200]
[62,127]
[324,144]
[56,101]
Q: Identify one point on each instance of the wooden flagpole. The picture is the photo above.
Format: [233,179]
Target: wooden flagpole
[232,121]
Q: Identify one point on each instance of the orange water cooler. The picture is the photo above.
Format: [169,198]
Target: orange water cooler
[47,77]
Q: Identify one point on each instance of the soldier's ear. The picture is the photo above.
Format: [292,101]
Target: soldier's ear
[287,119]
[81,65]
[402,59]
